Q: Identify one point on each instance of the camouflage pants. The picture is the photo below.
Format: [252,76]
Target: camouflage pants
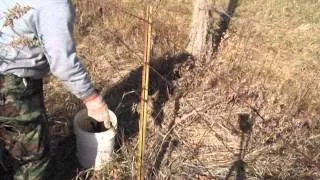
[24,143]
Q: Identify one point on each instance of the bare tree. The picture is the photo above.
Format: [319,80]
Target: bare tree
[200,43]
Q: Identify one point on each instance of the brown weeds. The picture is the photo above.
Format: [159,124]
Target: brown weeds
[266,65]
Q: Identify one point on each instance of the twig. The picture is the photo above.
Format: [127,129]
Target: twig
[123,96]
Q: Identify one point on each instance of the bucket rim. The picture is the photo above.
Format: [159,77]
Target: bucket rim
[111,131]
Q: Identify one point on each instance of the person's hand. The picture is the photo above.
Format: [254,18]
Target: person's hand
[98,109]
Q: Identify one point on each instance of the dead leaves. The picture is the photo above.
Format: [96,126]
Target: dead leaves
[12,14]
[16,12]
[24,42]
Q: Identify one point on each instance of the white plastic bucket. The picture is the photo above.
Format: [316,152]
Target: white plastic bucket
[94,150]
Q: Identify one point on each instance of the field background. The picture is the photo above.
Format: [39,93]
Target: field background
[266,64]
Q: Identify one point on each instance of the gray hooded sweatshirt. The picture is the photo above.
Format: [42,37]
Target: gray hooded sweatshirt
[36,36]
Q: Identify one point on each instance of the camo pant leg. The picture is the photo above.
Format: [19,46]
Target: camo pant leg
[24,143]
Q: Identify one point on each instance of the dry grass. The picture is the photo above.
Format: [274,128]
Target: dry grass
[267,65]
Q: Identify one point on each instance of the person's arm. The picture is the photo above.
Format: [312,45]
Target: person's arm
[54,24]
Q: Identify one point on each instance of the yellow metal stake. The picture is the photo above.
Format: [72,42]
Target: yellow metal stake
[144,95]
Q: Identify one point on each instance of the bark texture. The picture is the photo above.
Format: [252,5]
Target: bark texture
[201,28]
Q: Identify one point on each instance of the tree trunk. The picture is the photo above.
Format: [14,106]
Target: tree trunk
[201,29]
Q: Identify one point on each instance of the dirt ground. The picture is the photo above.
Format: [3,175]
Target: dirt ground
[251,112]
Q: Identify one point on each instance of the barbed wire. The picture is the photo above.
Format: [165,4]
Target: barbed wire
[204,70]
[187,91]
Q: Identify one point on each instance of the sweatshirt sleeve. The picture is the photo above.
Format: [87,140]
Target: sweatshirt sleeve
[54,26]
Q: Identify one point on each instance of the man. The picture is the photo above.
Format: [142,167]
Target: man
[36,36]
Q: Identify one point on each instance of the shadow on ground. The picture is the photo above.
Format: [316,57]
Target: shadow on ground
[123,98]
[225,19]
[245,125]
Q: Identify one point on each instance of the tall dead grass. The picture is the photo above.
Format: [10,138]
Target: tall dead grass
[267,65]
